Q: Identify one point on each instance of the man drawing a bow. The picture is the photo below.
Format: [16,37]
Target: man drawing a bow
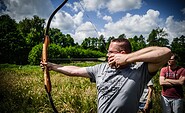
[119,84]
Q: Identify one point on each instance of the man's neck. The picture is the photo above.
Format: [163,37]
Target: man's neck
[173,67]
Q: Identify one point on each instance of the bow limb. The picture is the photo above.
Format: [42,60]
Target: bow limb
[47,81]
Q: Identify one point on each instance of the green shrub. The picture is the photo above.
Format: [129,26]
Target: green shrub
[56,52]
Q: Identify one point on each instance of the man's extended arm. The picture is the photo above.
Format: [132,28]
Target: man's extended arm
[68,70]
[155,56]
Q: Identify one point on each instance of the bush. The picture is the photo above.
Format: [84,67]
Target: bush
[56,52]
[74,52]
[35,55]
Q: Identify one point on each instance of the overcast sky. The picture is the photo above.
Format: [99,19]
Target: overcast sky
[91,18]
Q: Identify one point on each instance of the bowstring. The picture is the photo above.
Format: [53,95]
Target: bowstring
[94,27]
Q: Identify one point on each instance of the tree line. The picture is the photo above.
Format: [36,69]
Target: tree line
[21,42]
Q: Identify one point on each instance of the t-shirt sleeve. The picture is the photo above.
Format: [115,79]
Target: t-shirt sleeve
[183,72]
[96,70]
[93,71]
[163,71]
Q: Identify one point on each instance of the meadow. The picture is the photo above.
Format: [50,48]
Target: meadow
[22,91]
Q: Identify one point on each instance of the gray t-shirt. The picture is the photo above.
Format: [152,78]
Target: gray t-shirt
[119,90]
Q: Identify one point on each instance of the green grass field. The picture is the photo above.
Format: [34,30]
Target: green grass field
[22,91]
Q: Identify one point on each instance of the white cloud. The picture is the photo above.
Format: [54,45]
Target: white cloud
[93,5]
[132,25]
[107,18]
[67,23]
[78,18]
[112,5]
[19,9]
[129,24]
[99,15]
[174,28]
[75,7]
[123,5]
[63,21]
[85,30]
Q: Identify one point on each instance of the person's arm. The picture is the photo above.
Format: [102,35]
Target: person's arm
[180,81]
[162,78]
[172,82]
[155,56]
[149,97]
[163,82]
[68,70]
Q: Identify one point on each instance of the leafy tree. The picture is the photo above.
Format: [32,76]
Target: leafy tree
[137,43]
[94,43]
[178,47]
[91,43]
[58,38]
[142,42]
[11,42]
[156,38]
[24,27]
[86,43]
[32,30]
[152,39]
[69,41]
[102,44]
[122,36]
[163,42]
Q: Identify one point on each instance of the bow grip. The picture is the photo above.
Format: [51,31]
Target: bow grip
[47,81]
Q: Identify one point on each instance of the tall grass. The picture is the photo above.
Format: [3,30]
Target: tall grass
[22,91]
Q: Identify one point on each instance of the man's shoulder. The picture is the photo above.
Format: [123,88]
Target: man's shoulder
[181,68]
[99,66]
[164,68]
[103,64]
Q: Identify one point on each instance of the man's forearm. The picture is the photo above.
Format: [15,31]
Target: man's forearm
[164,82]
[175,82]
[150,54]
[171,82]
[68,70]
[61,69]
